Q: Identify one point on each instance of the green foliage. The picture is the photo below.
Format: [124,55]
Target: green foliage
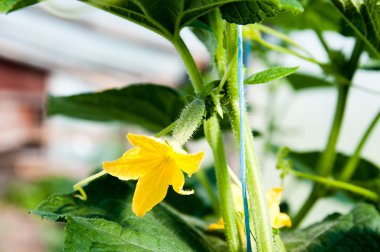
[166,18]
[271,74]
[364,18]
[319,15]
[254,11]
[106,222]
[357,231]
[151,106]
[7,6]
[301,81]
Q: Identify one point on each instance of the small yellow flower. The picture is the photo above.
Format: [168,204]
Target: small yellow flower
[273,197]
[156,165]
[278,219]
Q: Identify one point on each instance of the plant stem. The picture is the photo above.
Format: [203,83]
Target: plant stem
[262,227]
[218,26]
[191,67]
[166,130]
[353,161]
[79,186]
[338,184]
[214,138]
[327,160]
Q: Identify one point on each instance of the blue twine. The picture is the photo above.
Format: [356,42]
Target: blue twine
[242,142]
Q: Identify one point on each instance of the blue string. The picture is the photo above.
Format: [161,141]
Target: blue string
[242,142]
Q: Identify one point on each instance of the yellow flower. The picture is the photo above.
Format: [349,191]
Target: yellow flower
[278,219]
[156,165]
[273,197]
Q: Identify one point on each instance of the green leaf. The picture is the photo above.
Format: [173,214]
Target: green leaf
[319,15]
[270,74]
[7,6]
[151,106]
[253,11]
[164,17]
[301,81]
[357,231]
[105,222]
[363,16]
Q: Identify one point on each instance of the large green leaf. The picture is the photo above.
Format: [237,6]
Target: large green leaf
[150,106]
[162,16]
[270,74]
[253,11]
[363,16]
[357,231]
[7,6]
[319,15]
[301,81]
[105,222]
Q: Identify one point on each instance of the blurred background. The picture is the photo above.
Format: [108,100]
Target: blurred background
[65,47]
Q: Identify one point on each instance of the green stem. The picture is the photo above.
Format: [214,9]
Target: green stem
[166,130]
[338,184]
[218,26]
[281,36]
[323,42]
[226,74]
[191,67]
[288,51]
[79,186]
[352,163]
[327,160]
[258,204]
[214,138]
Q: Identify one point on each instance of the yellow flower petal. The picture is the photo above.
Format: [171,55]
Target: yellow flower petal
[278,219]
[188,163]
[156,164]
[282,220]
[150,190]
[177,180]
[130,166]
[217,225]
[151,144]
